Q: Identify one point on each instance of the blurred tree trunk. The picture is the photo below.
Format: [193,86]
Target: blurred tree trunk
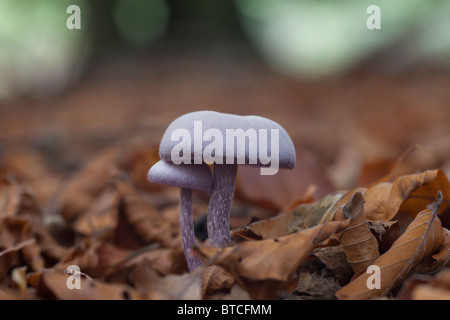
[105,37]
[203,20]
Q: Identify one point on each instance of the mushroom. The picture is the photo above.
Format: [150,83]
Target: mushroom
[210,137]
[187,177]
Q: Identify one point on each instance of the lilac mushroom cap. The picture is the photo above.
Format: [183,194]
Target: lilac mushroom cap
[186,177]
[197,177]
[192,136]
[223,122]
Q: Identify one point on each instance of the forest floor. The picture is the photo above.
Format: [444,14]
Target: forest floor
[73,169]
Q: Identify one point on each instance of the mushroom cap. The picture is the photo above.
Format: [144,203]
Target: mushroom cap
[222,122]
[189,176]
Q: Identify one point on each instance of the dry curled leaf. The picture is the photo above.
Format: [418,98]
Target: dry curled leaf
[15,230]
[436,287]
[10,197]
[85,185]
[334,258]
[302,217]
[100,217]
[54,284]
[276,258]
[136,160]
[164,260]
[409,194]
[394,170]
[421,239]
[10,257]
[360,245]
[186,286]
[144,219]
[442,257]
[145,279]
[215,279]
[15,199]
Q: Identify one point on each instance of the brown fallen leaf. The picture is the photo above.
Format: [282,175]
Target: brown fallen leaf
[395,169]
[433,182]
[144,219]
[15,230]
[421,239]
[215,280]
[334,258]
[85,255]
[85,185]
[54,285]
[25,163]
[286,185]
[236,293]
[360,245]
[15,199]
[50,248]
[267,289]
[148,281]
[303,217]
[136,160]
[276,258]
[442,257]
[104,260]
[100,217]
[31,169]
[10,257]
[307,197]
[9,293]
[430,292]
[346,168]
[163,260]
[408,194]
[186,286]
[10,197]
[435,287]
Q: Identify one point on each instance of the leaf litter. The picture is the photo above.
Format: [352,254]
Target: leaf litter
[301,241]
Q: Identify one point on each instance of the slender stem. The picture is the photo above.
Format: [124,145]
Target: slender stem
[220,204]
[187,228]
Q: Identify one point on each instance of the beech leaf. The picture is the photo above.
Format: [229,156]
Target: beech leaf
[421,239]
[409,193]
[275,258]
[360,245]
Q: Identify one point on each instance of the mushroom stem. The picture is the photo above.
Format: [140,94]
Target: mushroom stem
[220,204]
[187,228]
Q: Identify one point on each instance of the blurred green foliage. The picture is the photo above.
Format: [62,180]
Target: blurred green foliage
[316,38]
[141,21]
[301,38]
[37,51]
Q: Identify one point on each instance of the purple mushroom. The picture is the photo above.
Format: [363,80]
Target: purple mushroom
[187,177]
[226,141]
